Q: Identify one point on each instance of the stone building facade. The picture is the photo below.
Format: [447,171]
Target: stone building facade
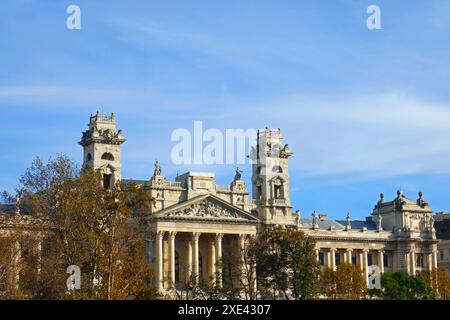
[194,220]
[442,225]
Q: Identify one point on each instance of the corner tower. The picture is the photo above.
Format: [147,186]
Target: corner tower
[101,148]
[270,178]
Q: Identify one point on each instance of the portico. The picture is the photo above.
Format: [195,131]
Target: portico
[187,241]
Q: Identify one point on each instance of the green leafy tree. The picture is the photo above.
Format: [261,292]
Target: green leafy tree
[286,264]
[402,286]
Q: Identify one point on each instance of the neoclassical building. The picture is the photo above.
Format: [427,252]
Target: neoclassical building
[194,221]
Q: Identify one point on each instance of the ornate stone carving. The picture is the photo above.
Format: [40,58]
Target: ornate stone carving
[348,225]
[297,218]
[421,201]
[379,224]
[400,200]
[205,209]
[238,174]
[380,202]
[315,220]
[157,171]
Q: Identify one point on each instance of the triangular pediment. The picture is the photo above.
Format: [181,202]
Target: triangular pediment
[206,207]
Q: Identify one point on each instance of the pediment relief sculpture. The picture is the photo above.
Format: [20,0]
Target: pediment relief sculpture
[205,209]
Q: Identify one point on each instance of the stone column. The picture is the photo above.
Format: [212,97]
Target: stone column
[381,261]
[430,261]
[189,261]
[328,252]
[412,263]
[254,275]
[39,257]
[365,266]
[213,262]
[172,258]
[159,260]
[333,258]
[361,259]
[195,261]
[345,256]
[317,254]
[218,245]
[435,260]
[244,266]
[349,255]
[14,273]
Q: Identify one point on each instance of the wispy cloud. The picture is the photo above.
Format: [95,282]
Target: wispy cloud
[388,134]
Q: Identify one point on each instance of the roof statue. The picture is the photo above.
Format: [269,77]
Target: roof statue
[238,174]
[315,220]
[157,171]
[297,218]
[348,224]
[422,202]
[379,224]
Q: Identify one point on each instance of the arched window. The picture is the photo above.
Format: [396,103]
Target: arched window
[89,157]
[108,156]
[277,169]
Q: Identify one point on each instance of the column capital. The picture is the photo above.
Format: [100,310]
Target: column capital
[160,234]
[195,236]
[172,234]
[349,250]
[219,236]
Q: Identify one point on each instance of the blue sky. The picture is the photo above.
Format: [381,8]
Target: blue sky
[364,111]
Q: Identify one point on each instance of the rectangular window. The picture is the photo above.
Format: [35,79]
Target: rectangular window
[385,260]
[369,259]
[419,259]
[321,258]
[337,257]
[354,258]
[441,255]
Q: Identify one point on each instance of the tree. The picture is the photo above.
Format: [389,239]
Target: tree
[439,281]
[286,264]
[99,230]
[402,286]
[346,283]
[237,271]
